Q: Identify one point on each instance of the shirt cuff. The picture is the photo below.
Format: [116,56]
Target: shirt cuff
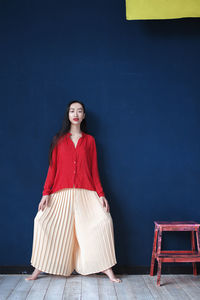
[101,194]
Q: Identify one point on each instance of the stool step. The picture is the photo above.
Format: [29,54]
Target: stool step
[178,257]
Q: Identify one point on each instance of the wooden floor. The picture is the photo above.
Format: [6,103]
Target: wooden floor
[92,287]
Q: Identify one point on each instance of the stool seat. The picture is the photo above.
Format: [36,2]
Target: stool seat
[177,225]
[175,255]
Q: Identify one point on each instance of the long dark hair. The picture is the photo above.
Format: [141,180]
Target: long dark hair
[66,127]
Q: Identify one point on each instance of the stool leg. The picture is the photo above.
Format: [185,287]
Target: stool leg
[153,252]
[198,242]
[159,241]
[194,265]
[159,260]
[159,271]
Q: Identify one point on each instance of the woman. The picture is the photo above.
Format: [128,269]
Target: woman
[73,228]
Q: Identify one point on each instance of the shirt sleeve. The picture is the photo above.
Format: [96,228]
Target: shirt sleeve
[50,173]
[95,171]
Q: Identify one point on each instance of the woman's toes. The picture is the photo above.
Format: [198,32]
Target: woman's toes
[116,280]
[29,278]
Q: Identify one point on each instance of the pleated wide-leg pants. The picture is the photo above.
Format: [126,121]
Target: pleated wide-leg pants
[74,232]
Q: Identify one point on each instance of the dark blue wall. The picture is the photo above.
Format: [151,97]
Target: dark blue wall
[139,81]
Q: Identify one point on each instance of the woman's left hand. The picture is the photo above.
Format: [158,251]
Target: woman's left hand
[105,203]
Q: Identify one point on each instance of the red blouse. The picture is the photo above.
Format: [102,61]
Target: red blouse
[74,166]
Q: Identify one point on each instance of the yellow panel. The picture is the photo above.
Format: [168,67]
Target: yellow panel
[162,9]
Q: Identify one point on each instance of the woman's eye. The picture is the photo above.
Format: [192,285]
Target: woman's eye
[79,112]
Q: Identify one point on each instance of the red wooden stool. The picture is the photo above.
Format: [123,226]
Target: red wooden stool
[173,255]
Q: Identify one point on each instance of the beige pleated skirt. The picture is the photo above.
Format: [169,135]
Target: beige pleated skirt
[75,232]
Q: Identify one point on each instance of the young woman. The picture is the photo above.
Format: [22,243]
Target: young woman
[73,228]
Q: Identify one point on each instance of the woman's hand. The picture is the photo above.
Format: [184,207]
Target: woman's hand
[105,203]
[44,202]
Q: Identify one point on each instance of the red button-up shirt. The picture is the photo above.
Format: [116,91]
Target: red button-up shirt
[74,166]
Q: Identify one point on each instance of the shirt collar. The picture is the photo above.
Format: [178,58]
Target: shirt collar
[83,134]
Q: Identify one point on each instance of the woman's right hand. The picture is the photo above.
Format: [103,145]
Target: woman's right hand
[44,202]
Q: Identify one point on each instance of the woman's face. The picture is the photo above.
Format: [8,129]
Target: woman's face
[76,113]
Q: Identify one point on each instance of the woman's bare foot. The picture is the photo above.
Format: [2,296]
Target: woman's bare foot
[111,275]
[34,275]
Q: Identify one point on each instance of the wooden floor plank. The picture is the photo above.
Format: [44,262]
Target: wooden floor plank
[8,284]
[139,288]
[124,289]
[21,289]
[106,288]
[192,290]
[174,289]
[73,288]
[194,279]
[56,288]
[39,288]
[156,291]
[90,287]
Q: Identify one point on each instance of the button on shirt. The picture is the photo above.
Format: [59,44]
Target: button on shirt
[74,166]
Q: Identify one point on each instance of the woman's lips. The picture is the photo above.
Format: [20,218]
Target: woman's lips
[76,119]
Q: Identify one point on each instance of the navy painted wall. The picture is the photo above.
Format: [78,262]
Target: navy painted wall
[139,81]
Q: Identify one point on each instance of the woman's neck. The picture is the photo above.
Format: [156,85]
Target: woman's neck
[75,130]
